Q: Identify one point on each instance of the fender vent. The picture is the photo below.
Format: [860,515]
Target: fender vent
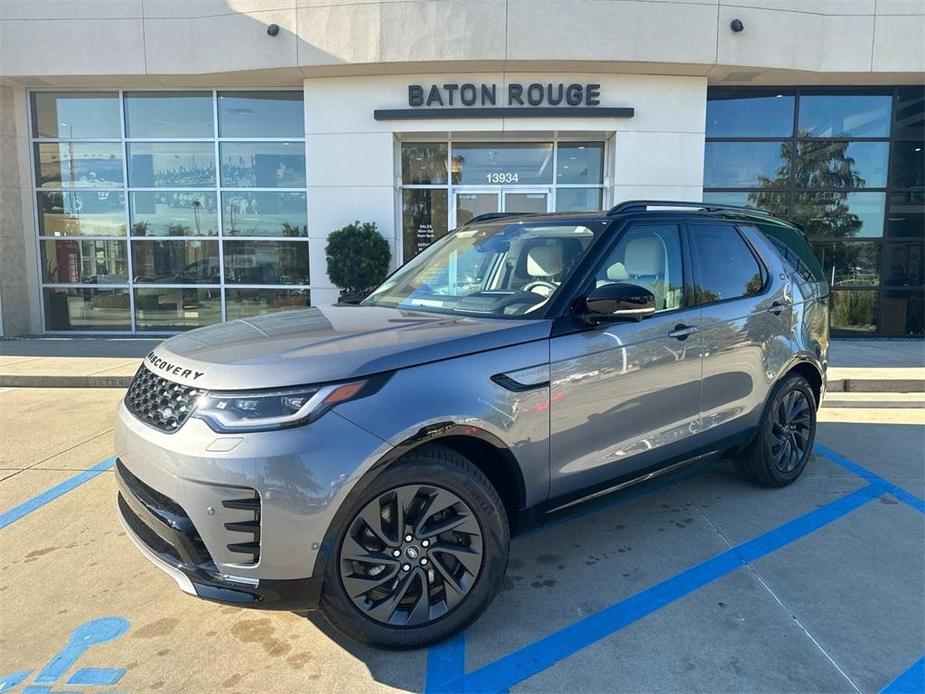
[248,527]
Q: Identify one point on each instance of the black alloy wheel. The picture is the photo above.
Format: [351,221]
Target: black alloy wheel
[779,452]
[791,427]
[411,555]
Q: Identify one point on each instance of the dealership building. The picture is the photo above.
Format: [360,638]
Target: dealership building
[168,164]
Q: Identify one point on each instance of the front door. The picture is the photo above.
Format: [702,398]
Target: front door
[620,390]
[471,203]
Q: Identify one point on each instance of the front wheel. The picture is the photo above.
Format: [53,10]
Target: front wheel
[782,447]
[421,553]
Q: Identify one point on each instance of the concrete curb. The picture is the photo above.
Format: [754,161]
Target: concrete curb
[876,385]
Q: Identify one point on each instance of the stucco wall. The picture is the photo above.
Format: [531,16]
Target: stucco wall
[161,40]
[18,274]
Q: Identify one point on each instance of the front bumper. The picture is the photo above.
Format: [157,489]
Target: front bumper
[239,519]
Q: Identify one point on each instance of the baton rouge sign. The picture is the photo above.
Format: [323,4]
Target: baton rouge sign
[516,100]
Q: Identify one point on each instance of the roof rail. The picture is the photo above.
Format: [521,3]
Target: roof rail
[643,205]
[487,216]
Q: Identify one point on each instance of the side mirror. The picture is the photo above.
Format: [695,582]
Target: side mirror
[618,302]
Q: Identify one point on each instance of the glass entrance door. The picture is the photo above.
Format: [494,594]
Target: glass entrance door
[472,203]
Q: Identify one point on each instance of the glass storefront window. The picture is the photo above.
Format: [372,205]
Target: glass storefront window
[174,213]
[750,113]
[910,114]
[837,115]
[423,162]
[502,164]
[170,309]
[154,163]
[842,164]
[171,164]
[86,309]
[746,164]
[82,213]
[902,313]
[907,167]
[261,114]
[580,163]
[578,199]
[850,263]
[168,114]
[78,165]
[257,213]
[75,261]
[175,262]
[778,203]
[266,262]
[853,310]
[907,215]
[904,264]
[75,114]
[263,164]
[244,303]
[840,215]
[424,218]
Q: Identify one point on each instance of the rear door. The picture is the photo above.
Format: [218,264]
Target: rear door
[622,390]
[745,307]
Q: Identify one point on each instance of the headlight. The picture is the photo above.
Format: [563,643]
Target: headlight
[276,409]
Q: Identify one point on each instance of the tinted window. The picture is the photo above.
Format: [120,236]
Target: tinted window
[725,266]
[261,114]
[749,113]
[505,163]
[580,163]
[168,114]
[423,162]
[648,255]
[75,114]
[834,116]
[745,164]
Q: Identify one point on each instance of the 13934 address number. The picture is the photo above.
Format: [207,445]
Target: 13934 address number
[502,177]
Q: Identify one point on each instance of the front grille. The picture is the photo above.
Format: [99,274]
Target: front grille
[160,403]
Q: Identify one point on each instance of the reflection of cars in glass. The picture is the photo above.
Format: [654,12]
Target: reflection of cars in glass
[375,459]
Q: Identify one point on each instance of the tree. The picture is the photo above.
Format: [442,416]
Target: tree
[823,216]
[358,260]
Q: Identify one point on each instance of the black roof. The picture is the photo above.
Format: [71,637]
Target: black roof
[632,207]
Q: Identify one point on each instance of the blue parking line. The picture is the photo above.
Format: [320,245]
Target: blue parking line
[912,681]
[530,660]
[446,663]
[872,477]
[36,502]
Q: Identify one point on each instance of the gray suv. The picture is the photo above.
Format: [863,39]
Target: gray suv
[374,460]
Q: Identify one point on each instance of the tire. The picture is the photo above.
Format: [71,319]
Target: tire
[778,455]
[425,594]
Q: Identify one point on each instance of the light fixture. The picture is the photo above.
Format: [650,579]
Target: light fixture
[736,25]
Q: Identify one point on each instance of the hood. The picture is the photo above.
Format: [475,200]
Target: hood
[334,343]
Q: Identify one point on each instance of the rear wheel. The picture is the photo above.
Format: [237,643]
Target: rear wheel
[421,555]
[781,449]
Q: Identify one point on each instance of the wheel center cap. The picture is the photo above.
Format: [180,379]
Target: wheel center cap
[412,552]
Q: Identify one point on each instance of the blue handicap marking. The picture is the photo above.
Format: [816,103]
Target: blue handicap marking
[85,636]
[9,681]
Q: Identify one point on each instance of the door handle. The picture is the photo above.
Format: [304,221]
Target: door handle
[682,332]
[777,307]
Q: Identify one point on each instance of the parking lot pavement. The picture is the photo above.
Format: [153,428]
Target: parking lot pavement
[696,582]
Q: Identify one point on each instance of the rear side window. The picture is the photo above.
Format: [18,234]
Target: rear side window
[793,247]
[724,265]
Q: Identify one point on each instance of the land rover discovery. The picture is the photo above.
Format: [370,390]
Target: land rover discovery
[374,460]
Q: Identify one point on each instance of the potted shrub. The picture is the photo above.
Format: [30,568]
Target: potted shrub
[358,260]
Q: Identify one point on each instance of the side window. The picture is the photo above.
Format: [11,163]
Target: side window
[648,255]
[726,267]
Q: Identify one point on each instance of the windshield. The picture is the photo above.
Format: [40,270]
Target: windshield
[501,270]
